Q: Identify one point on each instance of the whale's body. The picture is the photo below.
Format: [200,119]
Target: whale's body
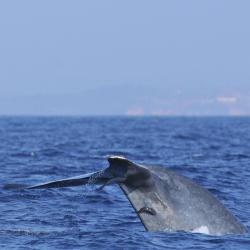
[163,199]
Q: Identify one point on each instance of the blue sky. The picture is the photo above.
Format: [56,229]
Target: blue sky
[125,57]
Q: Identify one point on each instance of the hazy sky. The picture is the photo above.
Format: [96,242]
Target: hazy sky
[125,57]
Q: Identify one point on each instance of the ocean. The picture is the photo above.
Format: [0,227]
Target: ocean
[213,151]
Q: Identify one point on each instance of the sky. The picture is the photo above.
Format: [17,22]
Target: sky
[125,57]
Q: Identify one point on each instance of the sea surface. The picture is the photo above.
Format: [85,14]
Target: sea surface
[214,152]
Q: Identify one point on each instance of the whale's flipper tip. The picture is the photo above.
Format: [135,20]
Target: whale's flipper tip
[12,186]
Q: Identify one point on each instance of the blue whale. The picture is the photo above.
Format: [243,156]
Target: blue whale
[163,199]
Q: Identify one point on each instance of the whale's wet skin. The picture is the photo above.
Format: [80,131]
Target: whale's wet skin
[212,153]
[163,199]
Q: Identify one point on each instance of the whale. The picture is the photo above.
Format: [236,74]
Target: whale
[163,199]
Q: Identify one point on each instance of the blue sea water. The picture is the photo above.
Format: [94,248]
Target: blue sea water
[214,152]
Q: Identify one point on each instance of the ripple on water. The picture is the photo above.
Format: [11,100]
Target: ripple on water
[213,151]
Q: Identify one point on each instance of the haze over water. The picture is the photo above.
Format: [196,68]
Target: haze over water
[134,57]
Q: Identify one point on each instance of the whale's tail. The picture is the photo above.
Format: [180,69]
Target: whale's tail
[162,199]
[91,178]
[120,170]
[99,177]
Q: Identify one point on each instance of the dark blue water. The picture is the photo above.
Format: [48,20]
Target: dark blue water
[213,151]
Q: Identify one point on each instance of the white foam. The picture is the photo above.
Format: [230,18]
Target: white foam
[201,230]
[117,157]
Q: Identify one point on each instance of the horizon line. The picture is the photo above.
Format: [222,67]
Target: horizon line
[124,115]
